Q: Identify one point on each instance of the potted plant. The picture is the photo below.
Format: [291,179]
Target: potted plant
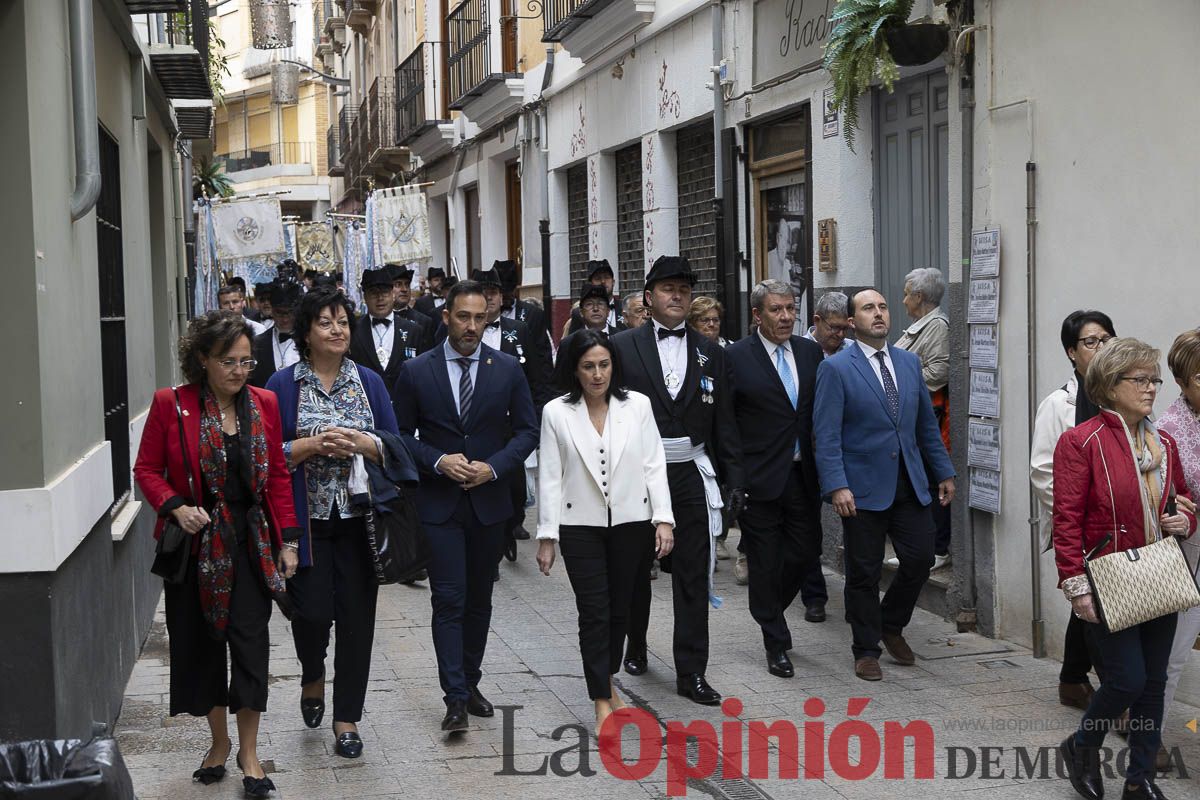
[869,39]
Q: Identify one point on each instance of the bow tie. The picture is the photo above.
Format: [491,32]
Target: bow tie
[495,324]
[383,321]
[283,337]
[663,333]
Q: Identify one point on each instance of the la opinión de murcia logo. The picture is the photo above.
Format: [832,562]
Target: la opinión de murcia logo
[853,749]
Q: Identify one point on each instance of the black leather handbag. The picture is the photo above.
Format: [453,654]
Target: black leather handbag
[173,552]
[398,544]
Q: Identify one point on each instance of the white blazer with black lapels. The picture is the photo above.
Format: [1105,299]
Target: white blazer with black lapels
[578,484]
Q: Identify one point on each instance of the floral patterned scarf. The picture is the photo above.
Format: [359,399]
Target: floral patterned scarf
[215,560]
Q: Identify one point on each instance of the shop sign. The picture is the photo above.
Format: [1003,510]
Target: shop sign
[789,35]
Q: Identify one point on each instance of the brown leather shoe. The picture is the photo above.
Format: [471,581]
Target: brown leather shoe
[868,669]
[898,649]
[1075,695]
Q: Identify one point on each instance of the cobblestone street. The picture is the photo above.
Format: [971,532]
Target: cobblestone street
[974,692]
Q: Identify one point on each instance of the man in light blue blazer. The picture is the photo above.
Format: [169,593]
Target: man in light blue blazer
[878,449]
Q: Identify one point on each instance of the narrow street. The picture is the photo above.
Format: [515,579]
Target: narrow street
[974,692]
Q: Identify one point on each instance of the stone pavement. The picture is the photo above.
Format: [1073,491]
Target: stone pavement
[974,692]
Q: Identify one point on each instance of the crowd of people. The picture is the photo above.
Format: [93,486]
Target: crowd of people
[650,436]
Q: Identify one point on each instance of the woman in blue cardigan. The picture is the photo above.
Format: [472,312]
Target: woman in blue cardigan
[328,405]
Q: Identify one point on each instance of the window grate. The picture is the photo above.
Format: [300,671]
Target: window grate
[631,271]
[697,215]
[110,262]
[577,225]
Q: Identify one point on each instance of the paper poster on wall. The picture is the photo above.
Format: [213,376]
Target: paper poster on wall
[830,117]
[983,303]
[985,346]
[985,393]
[985,253]
[983,489]
[983,444]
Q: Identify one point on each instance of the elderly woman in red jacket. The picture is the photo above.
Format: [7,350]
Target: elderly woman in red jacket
[1117,475]
[243,528]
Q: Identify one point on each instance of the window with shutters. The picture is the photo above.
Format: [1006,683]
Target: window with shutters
[111,266]
[697,217]
[577,224]
[630,237]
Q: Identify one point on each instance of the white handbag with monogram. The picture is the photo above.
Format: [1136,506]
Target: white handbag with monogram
[1140,584]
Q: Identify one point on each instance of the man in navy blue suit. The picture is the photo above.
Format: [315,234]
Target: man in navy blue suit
[471,407]
[878,450]
[773,374]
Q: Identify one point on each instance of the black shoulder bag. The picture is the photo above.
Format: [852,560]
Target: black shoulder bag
[173,551]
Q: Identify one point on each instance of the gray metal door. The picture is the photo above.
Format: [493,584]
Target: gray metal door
[911,175]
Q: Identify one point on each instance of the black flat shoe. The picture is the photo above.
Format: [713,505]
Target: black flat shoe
[696,689]
[478,705]
[313,711]
[779,665]
[1083,769]
[635,663]
[510,549]
[210,775]
[348,745]
[255,787]
[455,720]
[1144,789]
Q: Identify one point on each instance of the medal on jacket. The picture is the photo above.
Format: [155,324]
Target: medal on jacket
[520,354]
[382,354]
[706,386]
[672,380]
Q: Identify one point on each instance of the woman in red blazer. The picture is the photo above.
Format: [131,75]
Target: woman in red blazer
[1117,476]
[244,534]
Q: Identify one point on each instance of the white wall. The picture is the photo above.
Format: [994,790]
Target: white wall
[1110,123]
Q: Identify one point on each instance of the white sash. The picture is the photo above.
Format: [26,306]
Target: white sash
[681,450]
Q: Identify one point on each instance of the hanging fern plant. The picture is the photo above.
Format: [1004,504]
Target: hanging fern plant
[858,50]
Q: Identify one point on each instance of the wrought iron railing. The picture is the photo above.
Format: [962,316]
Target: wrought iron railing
[379,107]
[557,13]
[333,149]
[266,156]
[469,58]
[415,85]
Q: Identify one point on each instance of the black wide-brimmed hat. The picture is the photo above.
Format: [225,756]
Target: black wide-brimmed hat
[507,270]
[435,272]
[486,277]
[665,267]
[598,265]
[285,295]
[399,272]
[371,278]
[592,291]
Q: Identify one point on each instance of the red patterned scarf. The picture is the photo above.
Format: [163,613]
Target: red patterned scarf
[215,560]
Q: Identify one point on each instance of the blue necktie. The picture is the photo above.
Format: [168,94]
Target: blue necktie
[889,387]
[465,389]
[789,384]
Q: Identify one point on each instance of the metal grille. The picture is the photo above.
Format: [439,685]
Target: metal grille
[110,262]
[577,223]
[468,63]
[630,239]
[697,216]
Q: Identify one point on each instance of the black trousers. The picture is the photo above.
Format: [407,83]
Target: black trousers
[1135,678]
[688,565]
[783,543]
[338,588]
[941,523]
[1081,654]
[604,564]
[910,527]
[199,682]
[460,588]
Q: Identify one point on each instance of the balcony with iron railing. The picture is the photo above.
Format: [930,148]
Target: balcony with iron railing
[290,158]
[482,72]
[422,118]
[333,152]
[566,23]
[359,14]
[381,150]
[179,57]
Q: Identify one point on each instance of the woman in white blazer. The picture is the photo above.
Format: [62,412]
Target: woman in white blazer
[603,496]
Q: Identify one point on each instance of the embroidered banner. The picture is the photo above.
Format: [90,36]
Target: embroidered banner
[399,226]
[314,246]
[247,228]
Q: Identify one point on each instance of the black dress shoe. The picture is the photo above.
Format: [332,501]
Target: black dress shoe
[780,665]
[313,710]
[814,612]
[635,663]
[419,575]
[255,787]
[521,534]
[348,745]
[696,689]
[1145,789]
[1083,768]
[455,720]
[510,548]
[210,775]
[478,705]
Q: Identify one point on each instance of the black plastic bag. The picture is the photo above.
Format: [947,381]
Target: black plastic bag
[64,769]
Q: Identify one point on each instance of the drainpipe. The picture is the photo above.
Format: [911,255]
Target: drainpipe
[83,107]
[1035,555]
[182,190]
[718,48]
[544,221]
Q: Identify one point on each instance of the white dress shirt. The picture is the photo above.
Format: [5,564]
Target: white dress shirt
[285,352]
[256,325]
[491,335]
[874,362]
[672,352]
[384,336]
